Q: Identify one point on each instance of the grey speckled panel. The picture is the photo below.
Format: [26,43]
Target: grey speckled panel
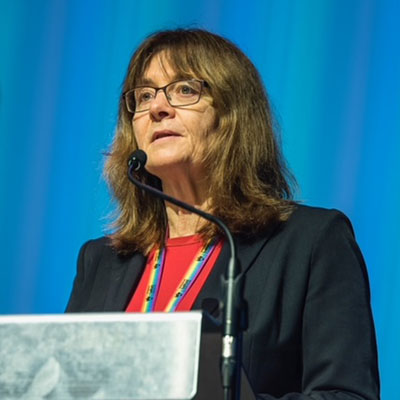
[100,356]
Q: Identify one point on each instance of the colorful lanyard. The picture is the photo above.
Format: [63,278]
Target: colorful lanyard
[185,284]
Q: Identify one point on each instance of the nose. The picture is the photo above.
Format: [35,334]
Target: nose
[160,107]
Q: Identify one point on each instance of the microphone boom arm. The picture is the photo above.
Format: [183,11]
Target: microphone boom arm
[232,284]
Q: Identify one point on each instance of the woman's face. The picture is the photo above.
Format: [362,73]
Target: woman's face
[172,137]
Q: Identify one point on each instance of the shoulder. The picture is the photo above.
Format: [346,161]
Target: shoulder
[312,232]
[326,239]
[97,252]
[315,215]
[312,222]
[96,248]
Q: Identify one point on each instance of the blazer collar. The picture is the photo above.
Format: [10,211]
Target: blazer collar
[124,276]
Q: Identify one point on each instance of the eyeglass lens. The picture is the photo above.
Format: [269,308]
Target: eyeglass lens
[179,93]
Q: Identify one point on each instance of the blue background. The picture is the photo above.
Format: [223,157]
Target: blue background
[332,68]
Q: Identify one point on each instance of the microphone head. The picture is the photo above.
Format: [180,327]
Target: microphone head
[137,160]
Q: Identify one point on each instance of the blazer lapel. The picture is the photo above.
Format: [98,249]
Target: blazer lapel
[123,280]
[247,254]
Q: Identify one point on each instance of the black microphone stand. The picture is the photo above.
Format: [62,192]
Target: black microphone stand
[232,282]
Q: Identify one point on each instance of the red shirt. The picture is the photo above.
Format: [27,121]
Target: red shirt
[179,255]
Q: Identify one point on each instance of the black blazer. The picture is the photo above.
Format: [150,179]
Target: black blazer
[310,330]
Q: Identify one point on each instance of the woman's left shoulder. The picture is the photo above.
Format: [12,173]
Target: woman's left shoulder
[316,215]
[315,220]
[309,228]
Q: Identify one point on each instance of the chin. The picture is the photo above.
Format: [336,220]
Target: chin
[164,165]
[169,165]
[163,158]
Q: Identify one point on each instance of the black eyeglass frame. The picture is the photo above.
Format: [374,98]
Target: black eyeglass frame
[164,89]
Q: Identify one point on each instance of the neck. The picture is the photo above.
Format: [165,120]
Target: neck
[182,222]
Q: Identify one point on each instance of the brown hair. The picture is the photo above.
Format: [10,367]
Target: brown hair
[248,179]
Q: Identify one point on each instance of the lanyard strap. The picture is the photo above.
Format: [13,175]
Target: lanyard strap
[186,282]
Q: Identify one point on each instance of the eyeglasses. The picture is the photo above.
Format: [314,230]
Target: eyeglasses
[178,93]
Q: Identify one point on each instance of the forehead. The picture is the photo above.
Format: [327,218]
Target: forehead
[160,71]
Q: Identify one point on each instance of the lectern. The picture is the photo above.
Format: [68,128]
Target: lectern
[110,356]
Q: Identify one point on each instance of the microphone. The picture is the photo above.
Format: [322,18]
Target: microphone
[232,282]
[137,161]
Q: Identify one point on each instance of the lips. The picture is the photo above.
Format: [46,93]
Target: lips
[164,134]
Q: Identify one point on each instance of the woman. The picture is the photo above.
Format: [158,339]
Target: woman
[196,105]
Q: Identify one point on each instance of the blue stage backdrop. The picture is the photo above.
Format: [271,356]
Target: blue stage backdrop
[332,68]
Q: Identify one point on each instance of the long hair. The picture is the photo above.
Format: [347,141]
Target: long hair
[249,184]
